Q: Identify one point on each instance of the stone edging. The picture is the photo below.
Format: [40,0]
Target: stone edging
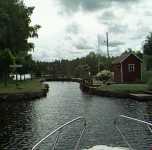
[94,91]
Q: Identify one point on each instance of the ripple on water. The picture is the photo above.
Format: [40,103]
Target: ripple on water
[22,124]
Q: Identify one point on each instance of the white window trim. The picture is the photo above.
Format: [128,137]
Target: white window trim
[131,67]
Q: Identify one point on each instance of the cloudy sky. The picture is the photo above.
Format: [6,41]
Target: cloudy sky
[70,28]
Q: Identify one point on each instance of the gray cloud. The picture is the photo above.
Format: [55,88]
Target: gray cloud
[117,28]
[114,26]
[76,52]
[142,32]
[107,15]
[68,38]
[137,36]
[148,13]
[90,5]
[112,44]
[115,51]
[82,44]
[73,28]
[116,43]
[113,23]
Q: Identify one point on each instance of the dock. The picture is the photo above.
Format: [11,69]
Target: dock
[141,97]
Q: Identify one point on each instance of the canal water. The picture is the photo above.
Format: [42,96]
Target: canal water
[23,123]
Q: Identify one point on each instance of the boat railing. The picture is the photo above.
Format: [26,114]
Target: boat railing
[117,120]
[59,130]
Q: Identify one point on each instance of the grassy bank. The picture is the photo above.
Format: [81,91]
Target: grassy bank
[23,86]
[124,88]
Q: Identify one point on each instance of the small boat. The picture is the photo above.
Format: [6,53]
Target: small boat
[60,129]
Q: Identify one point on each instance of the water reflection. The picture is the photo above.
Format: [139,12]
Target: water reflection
[24,123]
[16,125]
[148,112]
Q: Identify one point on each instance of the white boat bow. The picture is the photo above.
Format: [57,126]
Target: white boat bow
[104,147]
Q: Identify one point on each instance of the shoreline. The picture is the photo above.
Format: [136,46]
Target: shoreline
[62,79]
[95,91]
[29,96]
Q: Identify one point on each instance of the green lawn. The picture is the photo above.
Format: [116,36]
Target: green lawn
[124,88]
[23,86]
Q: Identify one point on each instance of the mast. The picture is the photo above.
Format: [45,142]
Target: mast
[98,51]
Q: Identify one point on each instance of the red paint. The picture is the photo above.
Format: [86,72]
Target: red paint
[117,72]
[125,75]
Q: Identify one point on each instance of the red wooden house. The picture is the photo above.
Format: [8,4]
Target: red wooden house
[127,68]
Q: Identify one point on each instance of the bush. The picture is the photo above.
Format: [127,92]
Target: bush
[150,84]
[104,76]
[146,76]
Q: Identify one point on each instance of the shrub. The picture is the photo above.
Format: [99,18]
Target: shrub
[146,76]
[104,76]
[150,84]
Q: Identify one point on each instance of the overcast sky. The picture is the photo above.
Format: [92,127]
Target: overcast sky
[70,27]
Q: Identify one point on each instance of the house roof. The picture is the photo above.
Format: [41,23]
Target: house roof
[124,56]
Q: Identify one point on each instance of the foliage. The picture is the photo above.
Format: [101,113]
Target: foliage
[26,61]
[146,76]
[15,28]
[82,71]
[104,75]
[148,62]
[147,47]
[137,53]
[150,84]
[6,59]
[71,68]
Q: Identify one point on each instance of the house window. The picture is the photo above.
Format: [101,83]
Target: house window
[131,67]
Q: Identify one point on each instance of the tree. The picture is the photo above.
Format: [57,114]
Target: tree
[139,54]
[15,28]
[148,45]
[136,52]
[6,59]
[82,71]
[147,48]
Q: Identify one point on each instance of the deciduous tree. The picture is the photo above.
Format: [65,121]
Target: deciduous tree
[147,48]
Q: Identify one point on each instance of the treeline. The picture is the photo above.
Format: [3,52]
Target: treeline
[80,67]
[73,68]
[147,50]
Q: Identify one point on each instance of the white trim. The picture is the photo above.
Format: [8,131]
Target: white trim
[131,67]
[121,73]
